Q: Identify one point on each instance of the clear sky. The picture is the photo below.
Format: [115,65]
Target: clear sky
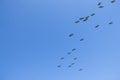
[34,35]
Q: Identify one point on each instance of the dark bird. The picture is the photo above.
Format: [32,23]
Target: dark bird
[59,66]
[92,14]
[69,53]
[72,63]
[80,69]
[82,39]
[112,1]
[86,18]
[75,58]
[70,35]
[111,22]
[101,6]
[81,18]
[97,26]
[77,21]
[62,58]
[99,3]
[73,49]
[69,66]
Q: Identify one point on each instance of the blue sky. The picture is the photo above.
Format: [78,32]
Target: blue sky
[34,35]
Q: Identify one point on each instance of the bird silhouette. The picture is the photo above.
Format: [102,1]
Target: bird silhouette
[75,58]
[59,66]
[113,1]
[99,3]
[111,22]
[69,66]
[82,39]
[73,49]
[72,63]
[81,18]
[80,69]
[92,14]
[70,35]
[101,6]
[62,58]
[77,21]
[86,18]
[97,26]
[69,53]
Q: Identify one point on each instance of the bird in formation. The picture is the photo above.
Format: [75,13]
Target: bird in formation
[70,35]
[75,58]
[111,22]
[97,26]
[80,69]
[99,3]
[73,49]
[59,66]
[77,21]
[82,39]
[113,1]
[62,58]
[69,53]
[92,14]
[101,6]
[81,18]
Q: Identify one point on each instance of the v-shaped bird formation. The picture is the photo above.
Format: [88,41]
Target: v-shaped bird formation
[82,19]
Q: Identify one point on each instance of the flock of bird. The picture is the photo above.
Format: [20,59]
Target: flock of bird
[86,18]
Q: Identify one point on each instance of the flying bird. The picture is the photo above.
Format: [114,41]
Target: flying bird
[72,63]
[97,26]
[77,21]
[80,69]
[59,66]
[99,3]
[69,53]
[81,18]
[82,39]
[92,14]
[73,49]
[62,58]
[86,18]
[101,6]
[69,66]
[111,22]
[70,35]
[75,58]
[113,1]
